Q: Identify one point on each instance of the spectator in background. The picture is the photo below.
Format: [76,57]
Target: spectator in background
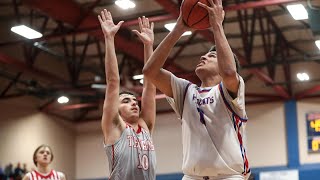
[18,172]
[1,173]
[42,158]
[8,171]
[24,169]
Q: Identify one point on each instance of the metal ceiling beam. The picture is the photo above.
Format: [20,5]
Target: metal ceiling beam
[173,8]
[69,12]
[57,35]
[257,4]
[73,107]
[308,92]
[31,70]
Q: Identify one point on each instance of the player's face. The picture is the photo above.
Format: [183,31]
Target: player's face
[208,62]
[43,156]
[128,107]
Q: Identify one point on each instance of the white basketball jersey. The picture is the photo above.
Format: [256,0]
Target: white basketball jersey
[212,129]
[35,175]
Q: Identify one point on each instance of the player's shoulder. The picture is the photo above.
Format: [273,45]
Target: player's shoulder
[27,176]
[61,175]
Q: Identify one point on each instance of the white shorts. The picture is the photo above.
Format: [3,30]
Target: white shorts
[224,177]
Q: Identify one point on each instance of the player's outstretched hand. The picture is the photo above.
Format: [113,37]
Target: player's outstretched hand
[146,33]
[109,29]
[216,12]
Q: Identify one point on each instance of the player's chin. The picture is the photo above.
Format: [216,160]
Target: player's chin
[135,115]
[198,68]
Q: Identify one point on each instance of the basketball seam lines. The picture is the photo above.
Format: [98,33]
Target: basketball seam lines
[191,11]
[199,20]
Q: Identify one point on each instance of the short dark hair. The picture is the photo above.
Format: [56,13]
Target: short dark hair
[36,151]
[126,92]
[238,67]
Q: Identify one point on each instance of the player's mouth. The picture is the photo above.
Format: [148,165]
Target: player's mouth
[202,62]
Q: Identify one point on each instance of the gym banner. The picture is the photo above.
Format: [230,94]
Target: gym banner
[313,132]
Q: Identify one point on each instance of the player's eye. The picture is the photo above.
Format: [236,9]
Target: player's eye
[212,55]
[126,100]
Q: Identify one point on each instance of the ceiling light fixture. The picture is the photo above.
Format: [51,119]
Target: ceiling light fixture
[303,76]
[170,27]
[298,11]
[26,32]
[136,77]
[318,44]
[125,4]
[98,86]
[63,100]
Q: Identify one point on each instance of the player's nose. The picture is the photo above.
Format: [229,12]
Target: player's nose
[203,58]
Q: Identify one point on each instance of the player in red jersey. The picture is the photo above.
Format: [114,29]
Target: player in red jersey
[42,158]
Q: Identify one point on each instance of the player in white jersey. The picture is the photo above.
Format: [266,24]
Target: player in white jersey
[213,115]
[42,157]
[127,131]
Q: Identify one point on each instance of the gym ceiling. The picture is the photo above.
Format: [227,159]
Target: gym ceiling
[68,59]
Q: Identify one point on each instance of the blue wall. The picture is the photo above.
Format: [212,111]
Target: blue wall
[306,172]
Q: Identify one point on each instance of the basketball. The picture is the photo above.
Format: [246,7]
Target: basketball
[194,15]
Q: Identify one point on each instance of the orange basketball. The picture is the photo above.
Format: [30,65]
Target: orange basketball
[194,15]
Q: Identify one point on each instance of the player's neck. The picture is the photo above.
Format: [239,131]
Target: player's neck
[135,126]
[210,81]
[43,169]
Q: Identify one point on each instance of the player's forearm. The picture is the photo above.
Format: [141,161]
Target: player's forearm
[148,103]
[226,61]
[159,56]
[111,65]
[148,50]
[148,106]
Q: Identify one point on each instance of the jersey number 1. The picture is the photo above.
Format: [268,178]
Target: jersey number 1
[201,114]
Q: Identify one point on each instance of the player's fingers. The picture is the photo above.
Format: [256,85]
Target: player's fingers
[213,4]
[110,16]
[203,5]
[100,20]
[120,23]
[106,14]
[216,3]
[152,26]
[137,33]
[103,16]
[144,21]
[219,2]
[148,23]
[140,23]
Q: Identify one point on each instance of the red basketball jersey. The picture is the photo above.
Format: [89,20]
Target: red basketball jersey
[35,175]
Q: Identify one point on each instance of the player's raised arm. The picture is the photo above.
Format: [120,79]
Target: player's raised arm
[148,102]
[111,123]
[226,62]
[153,68]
